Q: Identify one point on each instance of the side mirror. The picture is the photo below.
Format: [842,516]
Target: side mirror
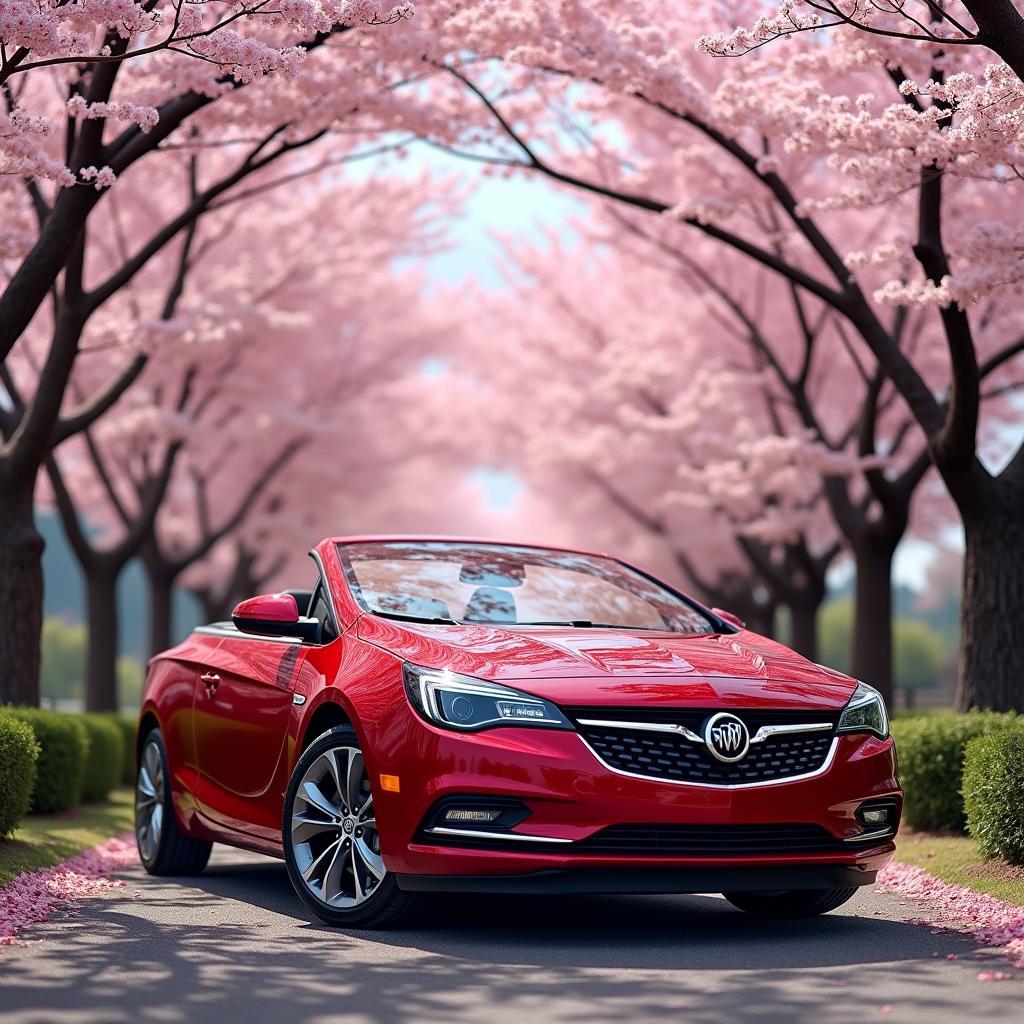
[274,615]
[733,620]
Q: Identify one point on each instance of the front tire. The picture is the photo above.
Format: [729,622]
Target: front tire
[791,903]
[331,845]
[163,850]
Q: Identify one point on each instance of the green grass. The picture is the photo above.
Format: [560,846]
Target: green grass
[46,839]
[956,859]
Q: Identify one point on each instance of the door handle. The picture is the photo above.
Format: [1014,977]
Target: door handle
[211,680]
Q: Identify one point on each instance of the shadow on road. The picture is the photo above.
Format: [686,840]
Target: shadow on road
[236,945]
[684,932]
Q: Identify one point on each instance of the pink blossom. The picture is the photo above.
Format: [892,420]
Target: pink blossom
[145,117]
[101,177]
[991,921]
[35,895]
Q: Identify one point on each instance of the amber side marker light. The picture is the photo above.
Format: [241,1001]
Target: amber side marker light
[389,783]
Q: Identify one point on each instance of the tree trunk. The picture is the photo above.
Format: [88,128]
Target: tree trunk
[803,617]
[101,659]
[990,673]
[161,608]
[908,698]
[761,618]
[212,605]
[872,622]
[21,597]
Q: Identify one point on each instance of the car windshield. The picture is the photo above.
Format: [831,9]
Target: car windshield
[439,581]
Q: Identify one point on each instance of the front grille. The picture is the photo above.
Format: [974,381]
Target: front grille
[709,840]
[660,755]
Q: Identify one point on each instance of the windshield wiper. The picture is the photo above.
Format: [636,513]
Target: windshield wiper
[583,624]
[418,618]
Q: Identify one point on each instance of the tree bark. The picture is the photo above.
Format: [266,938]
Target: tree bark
[161,607]
[1000,28]
[872,624]
[21,597]
[990,671]
[803,617]
[760,618]
[101,659]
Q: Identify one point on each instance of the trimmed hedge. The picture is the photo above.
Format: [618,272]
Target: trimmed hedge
[994,793]
[127,725]
[931,758]
[63,748]
[105,762]
[19,753]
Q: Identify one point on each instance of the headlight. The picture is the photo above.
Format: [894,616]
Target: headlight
[865,713]
[462,702]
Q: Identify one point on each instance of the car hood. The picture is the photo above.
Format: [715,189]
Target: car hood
[615,666]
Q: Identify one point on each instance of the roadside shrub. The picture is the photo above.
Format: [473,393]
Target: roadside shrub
[126,725]
[994,793]
[105,760]
[19,753]
[931,758]
[63,747]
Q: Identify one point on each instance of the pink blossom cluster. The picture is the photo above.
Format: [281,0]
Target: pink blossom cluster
[794,16]
[786,20]
[101,177]
[36,895]
[146,117]
[248,58]
[991,921]
[23,151]
[51,29]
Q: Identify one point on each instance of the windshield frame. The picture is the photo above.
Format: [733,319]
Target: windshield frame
[719,625]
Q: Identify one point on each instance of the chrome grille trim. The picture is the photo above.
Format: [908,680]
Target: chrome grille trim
[480,834]
[767,731]
[678,730]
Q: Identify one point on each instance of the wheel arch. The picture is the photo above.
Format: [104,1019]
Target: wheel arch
[147,723]
[328,714]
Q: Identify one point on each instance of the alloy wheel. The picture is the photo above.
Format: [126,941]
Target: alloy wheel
[333,829]
[149,806]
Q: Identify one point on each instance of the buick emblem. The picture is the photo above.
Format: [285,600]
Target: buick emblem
[726,737]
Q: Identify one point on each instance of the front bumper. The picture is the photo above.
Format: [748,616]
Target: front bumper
[571,795]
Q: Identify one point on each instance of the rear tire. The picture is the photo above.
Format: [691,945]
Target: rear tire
[792,903]
[163,849]
[329,834]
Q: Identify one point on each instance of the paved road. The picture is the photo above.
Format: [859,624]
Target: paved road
[236,945]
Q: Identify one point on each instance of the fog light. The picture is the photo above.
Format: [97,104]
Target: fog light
[464,814]
[468,812]
[875,816]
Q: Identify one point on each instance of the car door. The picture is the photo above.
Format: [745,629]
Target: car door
[243,708]
[243,705]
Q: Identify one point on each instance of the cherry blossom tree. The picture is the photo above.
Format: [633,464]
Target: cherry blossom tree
[128,119]
[259,346]
[415,477]
[611,98]
[233,517]
[816,387]
[660,402]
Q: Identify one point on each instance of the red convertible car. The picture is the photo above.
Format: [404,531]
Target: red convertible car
[460,716]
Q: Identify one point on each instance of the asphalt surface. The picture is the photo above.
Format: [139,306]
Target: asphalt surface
[236,945]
